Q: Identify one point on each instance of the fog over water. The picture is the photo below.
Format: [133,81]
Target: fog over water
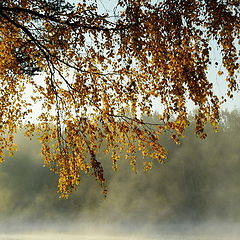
[194,196]
[159,233]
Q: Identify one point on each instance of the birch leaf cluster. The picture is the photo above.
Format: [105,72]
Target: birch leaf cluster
[102,70]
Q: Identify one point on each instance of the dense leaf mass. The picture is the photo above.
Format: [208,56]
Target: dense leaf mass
[103,69]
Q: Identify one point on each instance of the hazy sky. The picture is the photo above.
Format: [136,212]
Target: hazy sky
[219,83]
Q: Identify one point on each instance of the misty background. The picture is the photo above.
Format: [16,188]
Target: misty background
[199,183]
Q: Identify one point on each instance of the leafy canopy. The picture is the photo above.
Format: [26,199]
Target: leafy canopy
[103,69]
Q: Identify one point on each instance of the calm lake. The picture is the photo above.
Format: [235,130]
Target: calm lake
[88,237]
[130,231]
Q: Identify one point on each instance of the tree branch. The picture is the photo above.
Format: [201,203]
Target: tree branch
[59,21]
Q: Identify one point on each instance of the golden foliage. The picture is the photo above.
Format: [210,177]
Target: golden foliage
[101,74]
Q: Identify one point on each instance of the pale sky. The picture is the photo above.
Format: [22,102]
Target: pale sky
[219,83]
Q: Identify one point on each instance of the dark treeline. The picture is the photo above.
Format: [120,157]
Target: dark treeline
[200,181]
